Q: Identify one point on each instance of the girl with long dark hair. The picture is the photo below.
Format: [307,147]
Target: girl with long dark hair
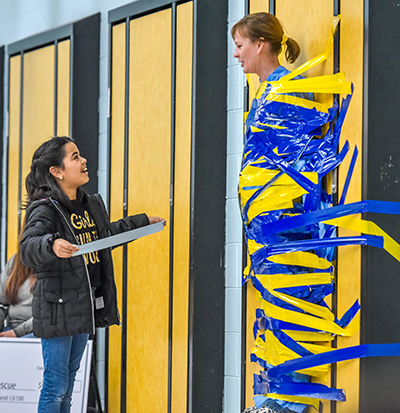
[72,296]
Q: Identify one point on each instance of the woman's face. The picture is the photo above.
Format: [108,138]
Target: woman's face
[247,53]
[74,173]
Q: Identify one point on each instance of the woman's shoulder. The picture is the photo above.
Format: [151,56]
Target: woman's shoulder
[278,73]
[5,274]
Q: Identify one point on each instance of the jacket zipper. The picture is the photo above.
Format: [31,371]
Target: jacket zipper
[106,219]
[84,263]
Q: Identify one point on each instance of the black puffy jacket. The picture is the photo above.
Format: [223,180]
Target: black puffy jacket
[62,295]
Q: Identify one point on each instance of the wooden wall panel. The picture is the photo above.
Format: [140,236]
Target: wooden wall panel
[309,23]
[182,206]
[13,155]
[63,88]
[349,258]
[117,199]
[259,5]
[149,190]
[38,103]
[37,118]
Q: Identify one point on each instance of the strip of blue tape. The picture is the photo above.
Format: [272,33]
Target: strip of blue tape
[334,356]
[306,245]
[348,177]
[313,217]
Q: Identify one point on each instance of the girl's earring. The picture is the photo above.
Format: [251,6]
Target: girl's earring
[61,177]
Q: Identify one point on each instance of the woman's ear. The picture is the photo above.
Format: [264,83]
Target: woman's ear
[56,172]
[261,43]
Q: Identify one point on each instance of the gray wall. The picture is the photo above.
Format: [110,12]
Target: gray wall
[233,246]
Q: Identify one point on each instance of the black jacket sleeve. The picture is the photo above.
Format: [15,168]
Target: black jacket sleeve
[128,223]
[38,237]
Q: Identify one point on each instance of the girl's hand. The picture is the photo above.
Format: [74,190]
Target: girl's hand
[154,220]
[63,248]
[9,333]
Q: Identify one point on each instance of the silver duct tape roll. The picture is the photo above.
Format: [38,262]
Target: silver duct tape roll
[119,239]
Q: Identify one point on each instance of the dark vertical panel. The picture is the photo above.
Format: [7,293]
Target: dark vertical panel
[1,117]
[190,383]
[207,284]
[171,200]
[335,186]
[21,120]
[55,86]
[85,92]
[107,336]
[124,332]
[381,172]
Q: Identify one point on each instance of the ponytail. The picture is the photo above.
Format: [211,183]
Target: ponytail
[292,50]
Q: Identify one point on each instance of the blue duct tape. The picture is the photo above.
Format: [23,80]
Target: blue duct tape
[260,385]
[334,356]
[291,344]
[348,177]
[306,245]
[261,362]
[291,386]
[313,217]
[318,391]
[313,294]
[267,296]
[349,315]
[304,182]
[283,339]
[342,115]
[274,324]
[336,161]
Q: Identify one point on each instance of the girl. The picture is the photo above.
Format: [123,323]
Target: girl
[72,295]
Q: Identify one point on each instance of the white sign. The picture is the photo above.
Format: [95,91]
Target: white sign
[21,376]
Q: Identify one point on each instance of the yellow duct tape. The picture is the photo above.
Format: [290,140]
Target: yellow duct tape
[309,336]
[370,228]
[300,258]
[310,308]
[320,84]
[273,281]
[294,100]
[306,320]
